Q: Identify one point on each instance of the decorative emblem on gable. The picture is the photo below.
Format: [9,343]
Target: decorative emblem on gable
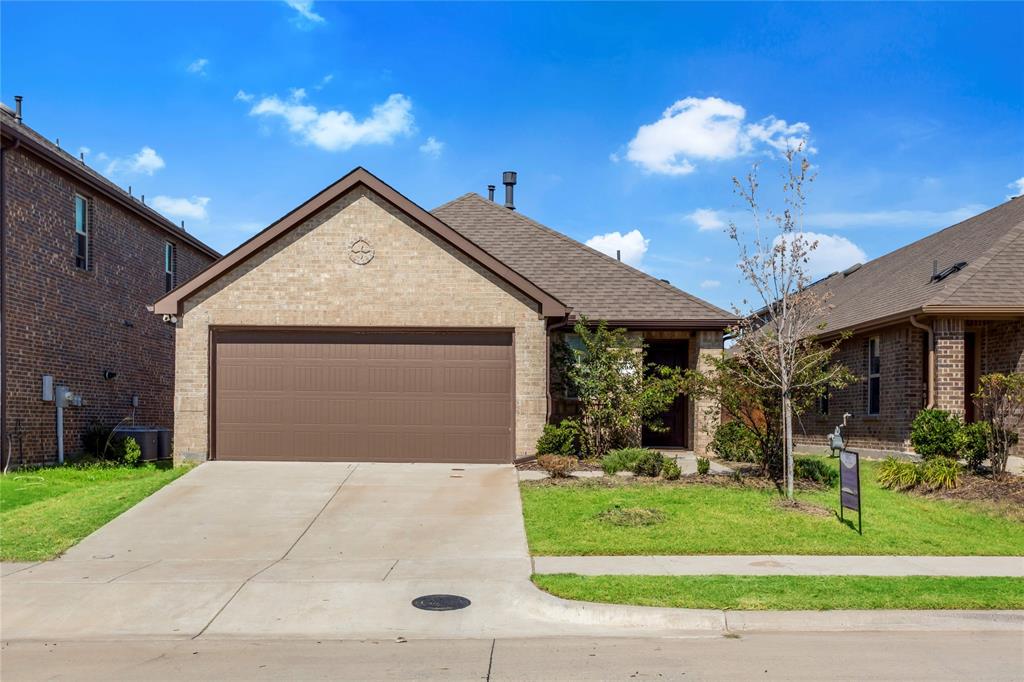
[360,252]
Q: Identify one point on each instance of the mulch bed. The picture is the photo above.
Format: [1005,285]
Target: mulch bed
[582,465]
[1005,491]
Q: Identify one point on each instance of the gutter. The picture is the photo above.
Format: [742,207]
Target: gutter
[931,359]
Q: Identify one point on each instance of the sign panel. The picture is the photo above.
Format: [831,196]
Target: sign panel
[849,484]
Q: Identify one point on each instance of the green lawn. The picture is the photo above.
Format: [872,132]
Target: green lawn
[45,511]
[705,519]
[785,592]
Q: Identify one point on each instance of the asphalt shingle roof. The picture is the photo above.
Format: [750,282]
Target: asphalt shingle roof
[991,243]
[588,281]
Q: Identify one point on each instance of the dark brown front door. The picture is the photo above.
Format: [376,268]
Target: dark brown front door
[363,396]
[672,353]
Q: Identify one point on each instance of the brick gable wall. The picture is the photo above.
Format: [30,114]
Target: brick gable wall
[74,324]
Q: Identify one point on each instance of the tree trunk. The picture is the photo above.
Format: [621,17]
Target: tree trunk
[787,420]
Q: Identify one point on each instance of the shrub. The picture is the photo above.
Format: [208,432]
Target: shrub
[811,469]
[940,472]
[559,466]
[132,452]
[734,441]
[563,439]
[670,470]
[632,516]
[649,464]
[898,474]
[703,466]
[1000,400]
[935,433]
[973,443]
[622,460]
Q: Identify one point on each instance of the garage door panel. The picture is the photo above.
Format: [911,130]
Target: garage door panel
[383,396]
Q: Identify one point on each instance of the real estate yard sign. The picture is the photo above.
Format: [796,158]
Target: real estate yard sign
[849,484]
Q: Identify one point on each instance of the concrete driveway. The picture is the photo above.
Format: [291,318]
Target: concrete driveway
[305,550]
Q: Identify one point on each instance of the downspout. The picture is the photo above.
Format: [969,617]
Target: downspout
[931,359]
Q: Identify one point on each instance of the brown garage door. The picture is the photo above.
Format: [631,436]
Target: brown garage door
[380,396]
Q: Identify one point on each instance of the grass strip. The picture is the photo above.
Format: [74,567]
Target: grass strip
[785,592]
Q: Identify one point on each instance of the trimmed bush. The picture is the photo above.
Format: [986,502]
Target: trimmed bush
[670,470]
[941,472]
[559,466]
[623,459]
[811,469]
[935,433]
[898,474]
[735,442]
[132,452]
[973,444]
[562,439]
[649,464]
[703,466]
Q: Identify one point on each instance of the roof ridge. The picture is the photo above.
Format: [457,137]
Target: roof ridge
[453,201]
[950,288]
[583,247]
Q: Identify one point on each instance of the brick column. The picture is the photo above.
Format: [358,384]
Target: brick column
[949,375]
[704,413]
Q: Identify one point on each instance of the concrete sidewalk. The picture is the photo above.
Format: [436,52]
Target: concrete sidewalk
[958,566]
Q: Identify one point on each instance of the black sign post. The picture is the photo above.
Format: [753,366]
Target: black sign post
[849,485]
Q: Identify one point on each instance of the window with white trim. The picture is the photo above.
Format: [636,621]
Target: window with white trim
[170,266]
[81,232]
[874,376]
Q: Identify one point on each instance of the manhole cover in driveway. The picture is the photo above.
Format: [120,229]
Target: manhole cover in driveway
[440,602]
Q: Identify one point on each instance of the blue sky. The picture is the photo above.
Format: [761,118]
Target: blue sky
[617,117]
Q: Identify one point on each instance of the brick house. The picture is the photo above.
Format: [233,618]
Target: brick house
[926,320]
[81,261]
[361,326]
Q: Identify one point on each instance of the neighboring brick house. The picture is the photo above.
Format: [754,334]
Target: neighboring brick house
[362,327]
[81,261]
[926,320]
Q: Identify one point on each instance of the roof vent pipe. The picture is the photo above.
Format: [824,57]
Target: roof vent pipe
[618,254]
[490,192]
[17,108]
[509,180]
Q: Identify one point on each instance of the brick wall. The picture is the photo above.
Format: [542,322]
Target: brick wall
[903,393]
[74,324]
[1002,347]
[306,279]
[949,362]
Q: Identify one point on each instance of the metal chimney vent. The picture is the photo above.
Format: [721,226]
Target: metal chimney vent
[490,192]
[508,178]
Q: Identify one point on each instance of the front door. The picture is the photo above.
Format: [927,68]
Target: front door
[672,353]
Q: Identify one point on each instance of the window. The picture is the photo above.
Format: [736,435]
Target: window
[170,266]
[81,232]
[823,403]
[575,345]
[874,376]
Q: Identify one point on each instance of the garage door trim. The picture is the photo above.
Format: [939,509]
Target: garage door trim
[219,333]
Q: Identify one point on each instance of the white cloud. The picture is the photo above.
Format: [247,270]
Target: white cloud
[340,130]
[707,219]
[180,207]
[1018,188]
[838,220]
[198,66]
[708,129]
[432,147]
[832,254]
[243,96]
[710,284]
[144,162]
[306,15]
[324,82]
[633,245]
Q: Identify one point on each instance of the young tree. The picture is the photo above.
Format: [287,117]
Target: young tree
[776,344]
[618,393]
[1000,398]
[733,383]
